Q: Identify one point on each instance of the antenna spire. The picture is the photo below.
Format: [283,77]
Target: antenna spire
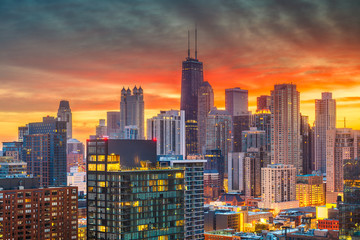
[188,44]
[196,41]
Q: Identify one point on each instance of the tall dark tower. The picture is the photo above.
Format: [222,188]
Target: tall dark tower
[192,79]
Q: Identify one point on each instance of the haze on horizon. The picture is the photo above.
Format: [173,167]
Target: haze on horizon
[86,51]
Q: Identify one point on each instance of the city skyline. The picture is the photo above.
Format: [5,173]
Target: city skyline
[306,52]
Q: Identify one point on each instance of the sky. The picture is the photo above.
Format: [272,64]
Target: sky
[86,51]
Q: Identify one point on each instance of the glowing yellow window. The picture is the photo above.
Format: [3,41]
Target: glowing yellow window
[163,238]
[102,228]
[179,175]
[142,227]
[113,158]
[92,167]
[113,167]
[101,158]
[101,184]
[101,167]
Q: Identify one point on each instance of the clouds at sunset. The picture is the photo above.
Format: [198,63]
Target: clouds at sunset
[86,51]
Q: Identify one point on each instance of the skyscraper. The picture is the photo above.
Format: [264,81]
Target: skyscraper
[132,110]
[101,129]
[306,145]
[285,126]
[263,102]
[168,129]
[205,104]
[341,144]
[262,121]
[325,119]
[64,114]
[113,124]
[44,151]
[218,132]
[191,80]
[236,101]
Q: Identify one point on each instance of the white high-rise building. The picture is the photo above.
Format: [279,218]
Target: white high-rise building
[236,171]
[168,129]
[341,144]
[278,187]
[64,114]
[285,126]
[325,119]
[132,110]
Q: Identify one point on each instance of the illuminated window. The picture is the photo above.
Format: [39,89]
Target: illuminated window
[102,228]
[101,167]
[142,227]
[92,158]
[101,158]
[101,184]
[92,167]
[113,167]
[179,175]
[113,158]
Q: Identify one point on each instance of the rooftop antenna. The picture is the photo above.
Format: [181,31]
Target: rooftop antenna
[188,44]
[195,41]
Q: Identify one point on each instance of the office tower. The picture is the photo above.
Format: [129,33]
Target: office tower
[168,129]
[239,123]
[236,101]
[325,119]
[285,126]
[341,144]
[30,212]
[310,190]
[131,132]
[22,131]
[218,132]
[253,138]
[10,167]
[236,178]
[74,145]
[12,149]
[253,162]
[191,81]
[194,195]
[262,121]
[144,202]
[113,124]
[205,104]
[263,102]
[306,145]
[101,129]
[216,161]
[64,114]
[77,179]
[44,151]
[349,207]
[132,110]
[278,187]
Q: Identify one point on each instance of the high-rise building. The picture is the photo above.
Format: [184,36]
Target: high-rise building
[168,129]
[262,121]
[10,167]
[306,145]
[74,145]
[341,144]
[263,102]
[132,110]
[191,81]
[239,124]
[278,187]
[131,132]
[144,202]
[30,212]
[44,151]
[12,149]
[253,162]
[253,138]
[194,195]
[205,104]
[236,178]
[113,124]
[285,126]
[325,119]
[349,207]
[236,101]
[101,129]
[22,131]
[212,185]
[64,114]
[218,132]
[310,190]
[216,161]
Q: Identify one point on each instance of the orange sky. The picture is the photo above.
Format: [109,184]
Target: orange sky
[86,53]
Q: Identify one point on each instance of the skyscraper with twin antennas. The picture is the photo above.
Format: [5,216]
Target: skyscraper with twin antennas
[191,80]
